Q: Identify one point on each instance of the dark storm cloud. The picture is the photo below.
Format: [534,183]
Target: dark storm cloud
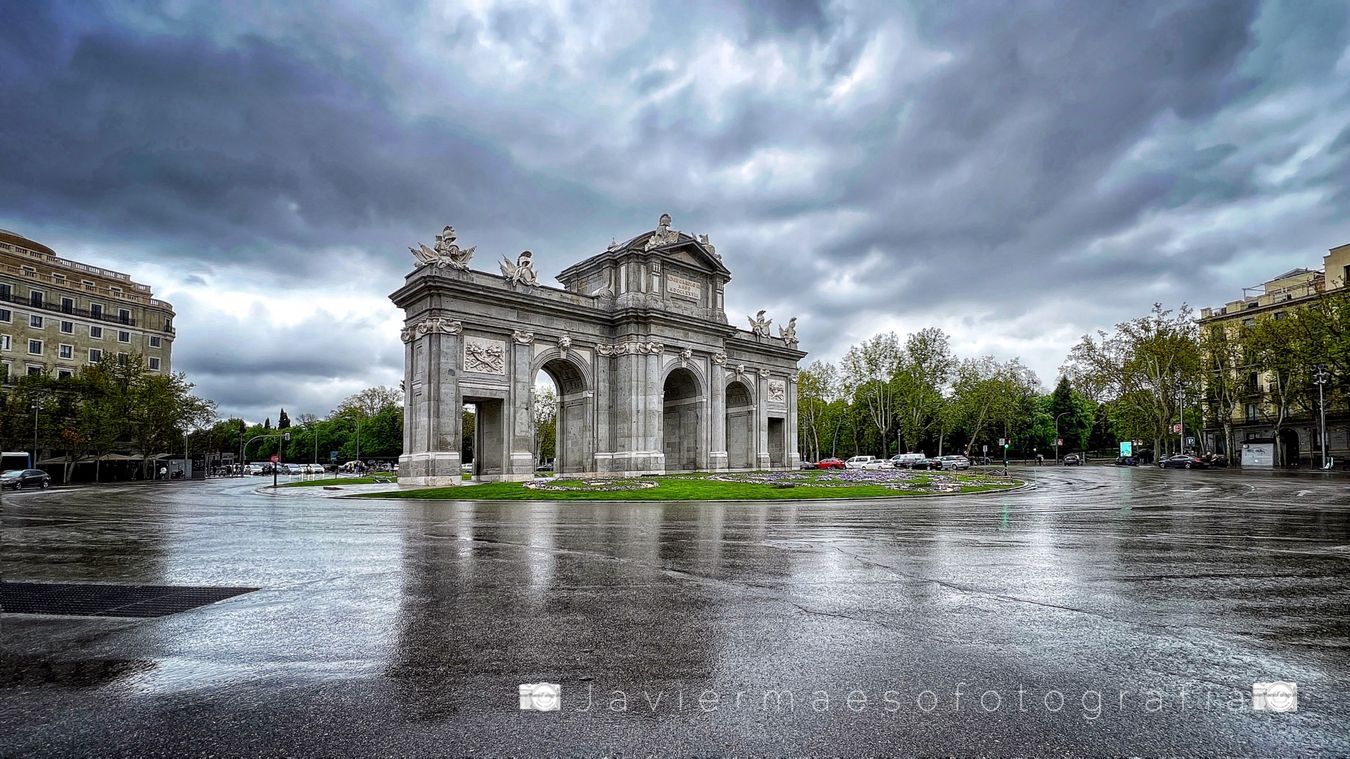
[1001,169]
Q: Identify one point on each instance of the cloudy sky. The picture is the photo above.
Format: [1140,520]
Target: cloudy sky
[1017,174]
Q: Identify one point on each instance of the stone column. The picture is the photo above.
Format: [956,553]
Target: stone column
[654,401]
[431,432]
[794,456]
[762,460]
[717,458]
[603,414]
[520,440]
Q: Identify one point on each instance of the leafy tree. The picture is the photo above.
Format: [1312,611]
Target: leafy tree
[1272,349]
[544,419]
[924,368]
[370,401]
[869,369]
[1225,376]
[1138,368]
[817,388]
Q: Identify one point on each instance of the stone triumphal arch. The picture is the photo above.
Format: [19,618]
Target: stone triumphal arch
[651,378]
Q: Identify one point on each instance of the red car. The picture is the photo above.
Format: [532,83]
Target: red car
[830,464]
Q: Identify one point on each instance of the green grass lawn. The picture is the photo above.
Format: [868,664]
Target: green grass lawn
[697,488]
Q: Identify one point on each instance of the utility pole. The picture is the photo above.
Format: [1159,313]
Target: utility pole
[1320,376]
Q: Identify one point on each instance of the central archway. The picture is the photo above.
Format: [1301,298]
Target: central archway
[740,426]
[682,421]
[572,446]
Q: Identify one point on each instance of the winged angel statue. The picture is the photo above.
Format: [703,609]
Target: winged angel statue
[445,253]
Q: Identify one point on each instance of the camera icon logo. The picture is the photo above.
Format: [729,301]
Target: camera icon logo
[1277,696]
[540,697]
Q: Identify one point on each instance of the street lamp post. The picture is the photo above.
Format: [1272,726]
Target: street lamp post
[1181,415]
[35,431]
[1057,416]
[1320,376]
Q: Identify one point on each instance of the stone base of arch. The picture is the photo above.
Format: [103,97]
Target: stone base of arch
[432,469]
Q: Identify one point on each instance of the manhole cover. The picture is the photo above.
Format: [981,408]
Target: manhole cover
[85,600]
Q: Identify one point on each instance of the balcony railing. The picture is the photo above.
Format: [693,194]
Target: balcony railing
[57,308]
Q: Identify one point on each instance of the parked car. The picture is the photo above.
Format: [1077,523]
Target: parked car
[1183,461]
[1126,461]
[807,465]
[979,459]
[952,462]
[256,469]
[18,479]
[544,468]
[878,464]
[923,463]
[313,469]
[1071,459]
[907,460]
[830,463]
[1215,459]
[858,462]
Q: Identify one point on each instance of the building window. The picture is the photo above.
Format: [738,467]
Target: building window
[4,373]
[1279,314]
[64,374]
[35,321]
[6,316]
[6,343]
[34,371]
[67,305]
[35,347]
[65,351]
[116,292]
[1253,412]
[35,297]
[96,310]
[154,363]
[168,325]
[122,356]
[155,341]
[59,279]
[96,332]
[87,285]
[6,292]
[123,336]
[95,355]
[67,328]
[124,316]
[29,271]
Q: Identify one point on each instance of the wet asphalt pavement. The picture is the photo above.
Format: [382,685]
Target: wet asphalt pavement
[1105,611]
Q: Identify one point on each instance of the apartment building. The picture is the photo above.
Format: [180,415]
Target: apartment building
[1299,438]
[57,315]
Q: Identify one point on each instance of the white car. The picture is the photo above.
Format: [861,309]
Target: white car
[907,460]
[859,462]
[955,462]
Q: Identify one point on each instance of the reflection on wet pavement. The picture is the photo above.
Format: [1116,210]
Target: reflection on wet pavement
[405,627]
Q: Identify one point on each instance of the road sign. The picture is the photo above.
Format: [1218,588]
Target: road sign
[1059,441]
[1126,448]
[986,447]
[332,455]
[275,458]
[1003,442]
[1176,428]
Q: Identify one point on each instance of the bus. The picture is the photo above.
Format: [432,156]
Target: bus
[15,460]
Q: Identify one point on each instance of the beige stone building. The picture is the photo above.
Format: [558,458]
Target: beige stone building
[1299,440]
[58,315]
